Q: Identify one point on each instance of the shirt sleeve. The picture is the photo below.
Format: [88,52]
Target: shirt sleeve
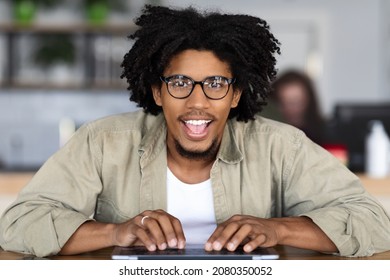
[320,187]
[60,197]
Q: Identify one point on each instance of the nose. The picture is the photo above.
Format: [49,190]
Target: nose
[198,99]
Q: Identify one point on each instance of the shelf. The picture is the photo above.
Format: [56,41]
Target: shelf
[113,29]
[98,47]
[66,86]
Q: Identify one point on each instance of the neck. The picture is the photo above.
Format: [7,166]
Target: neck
[187,170]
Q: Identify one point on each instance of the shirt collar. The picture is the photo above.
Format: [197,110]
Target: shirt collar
[154,140]
[229,151]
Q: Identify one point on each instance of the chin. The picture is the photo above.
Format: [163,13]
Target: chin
[207,153]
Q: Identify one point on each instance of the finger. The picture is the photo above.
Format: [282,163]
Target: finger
[225,235]
[217,232]
[209,243]
[143,237]
[238,238]
[143,219]
[166,221]
[172,228]
[181,240]
[156,232]
[254,243]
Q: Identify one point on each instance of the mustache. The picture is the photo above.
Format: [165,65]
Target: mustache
[196,113]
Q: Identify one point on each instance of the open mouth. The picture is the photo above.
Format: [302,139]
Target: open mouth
[196,128]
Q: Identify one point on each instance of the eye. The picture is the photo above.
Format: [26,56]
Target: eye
[179,82]
[215,82]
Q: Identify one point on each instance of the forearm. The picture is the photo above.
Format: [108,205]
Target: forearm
[90,236]
[302,232]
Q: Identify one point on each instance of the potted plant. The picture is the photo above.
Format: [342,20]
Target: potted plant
[55,53]
[24,10]
[97,11]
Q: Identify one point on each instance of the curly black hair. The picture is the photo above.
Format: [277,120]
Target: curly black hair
[243,41]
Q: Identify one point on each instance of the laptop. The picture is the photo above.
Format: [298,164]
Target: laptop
[192,252]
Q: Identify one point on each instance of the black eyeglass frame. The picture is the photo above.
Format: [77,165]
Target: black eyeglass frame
[230,81]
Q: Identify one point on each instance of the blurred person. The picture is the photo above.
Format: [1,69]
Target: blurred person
[198,164]
[295,99]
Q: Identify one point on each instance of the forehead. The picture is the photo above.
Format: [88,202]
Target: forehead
[197,65]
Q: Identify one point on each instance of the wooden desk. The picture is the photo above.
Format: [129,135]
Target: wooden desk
[12,182]
[285,252]
[377,187]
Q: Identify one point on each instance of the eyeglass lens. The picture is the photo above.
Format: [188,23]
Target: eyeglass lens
[215,87]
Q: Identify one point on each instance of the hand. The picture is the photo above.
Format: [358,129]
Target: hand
[249,231]
[153,229]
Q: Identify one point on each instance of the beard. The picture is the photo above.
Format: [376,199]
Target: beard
[208,154]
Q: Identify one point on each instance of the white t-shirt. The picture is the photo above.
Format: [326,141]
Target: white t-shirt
[193,205]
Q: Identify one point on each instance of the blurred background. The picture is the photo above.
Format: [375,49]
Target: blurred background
[60,66]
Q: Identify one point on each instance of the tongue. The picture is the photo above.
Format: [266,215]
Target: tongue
[196,129]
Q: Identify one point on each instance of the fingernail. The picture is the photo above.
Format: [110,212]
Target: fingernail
[163,246]
[217,246]
[230,246]
[247,248]
[208,246]
[182,244]
[152,247]
[172,242]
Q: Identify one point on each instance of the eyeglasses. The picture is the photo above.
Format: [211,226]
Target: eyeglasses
[214,87]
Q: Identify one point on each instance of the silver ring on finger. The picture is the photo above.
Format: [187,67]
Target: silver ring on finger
[143,220]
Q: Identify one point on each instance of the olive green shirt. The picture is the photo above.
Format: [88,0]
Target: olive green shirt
[114,168]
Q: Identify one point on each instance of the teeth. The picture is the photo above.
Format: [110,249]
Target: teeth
[197,122]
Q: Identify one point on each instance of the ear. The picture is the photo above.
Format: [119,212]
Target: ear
[157,95]
[236,98]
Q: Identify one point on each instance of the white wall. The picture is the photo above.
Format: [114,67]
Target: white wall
[351,35]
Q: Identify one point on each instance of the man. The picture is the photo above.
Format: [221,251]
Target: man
[198,164]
